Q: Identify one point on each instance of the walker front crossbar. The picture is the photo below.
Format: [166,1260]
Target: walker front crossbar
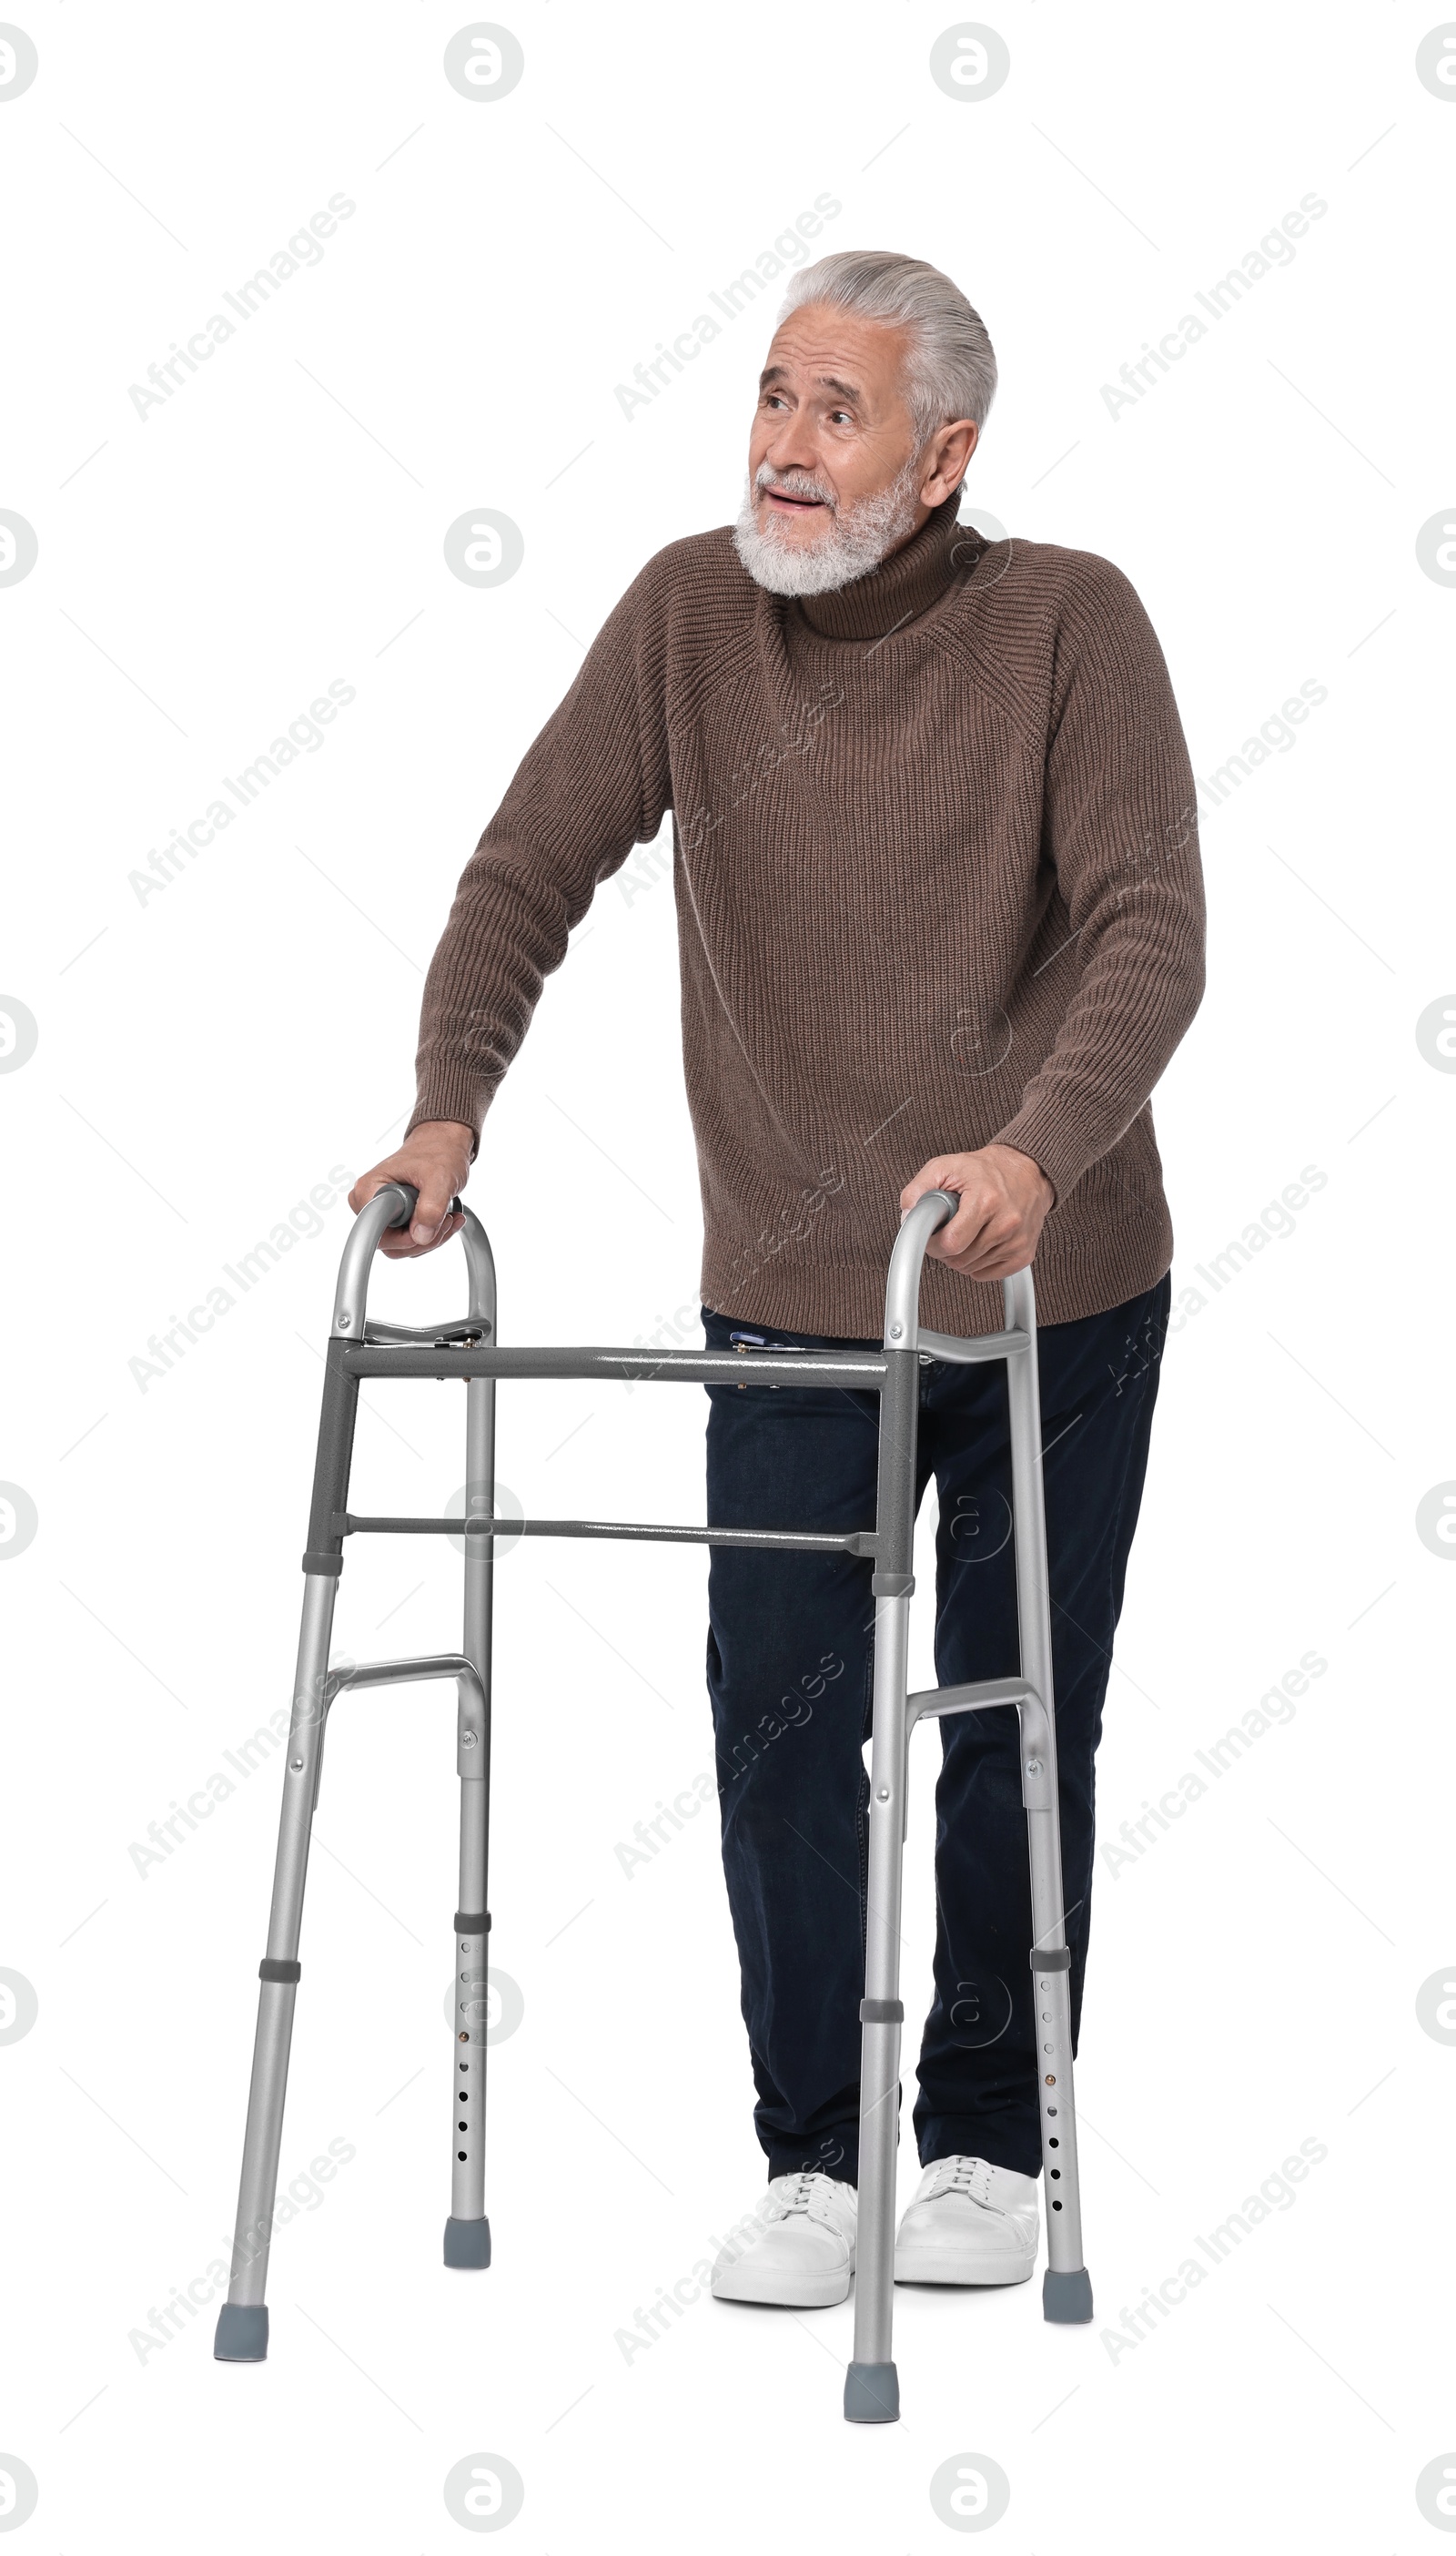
[469,1349]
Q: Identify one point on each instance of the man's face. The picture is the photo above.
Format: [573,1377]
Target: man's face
[831,427]
[836,476]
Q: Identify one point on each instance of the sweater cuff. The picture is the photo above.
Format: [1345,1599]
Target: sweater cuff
[455,1098]
[1040,1130]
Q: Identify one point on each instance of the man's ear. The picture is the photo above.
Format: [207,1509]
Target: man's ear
[947,460]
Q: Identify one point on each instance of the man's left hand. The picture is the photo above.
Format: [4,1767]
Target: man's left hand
[1005,1200]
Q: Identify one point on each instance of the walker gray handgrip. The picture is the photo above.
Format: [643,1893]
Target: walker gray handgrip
[411,1196]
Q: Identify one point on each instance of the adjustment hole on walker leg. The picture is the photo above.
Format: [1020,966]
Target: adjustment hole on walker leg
[1057,2204]
[1055,2171]
[1053,2143]
[460,2153]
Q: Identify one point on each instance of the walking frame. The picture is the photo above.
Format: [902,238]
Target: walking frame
[360,1348]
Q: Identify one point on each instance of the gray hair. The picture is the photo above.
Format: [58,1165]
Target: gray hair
[952,369]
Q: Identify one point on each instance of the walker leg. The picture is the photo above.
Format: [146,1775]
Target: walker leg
[1067,2290]
[872,2383]
[467,2228]
[242,2323]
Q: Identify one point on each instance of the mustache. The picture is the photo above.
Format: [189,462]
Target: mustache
[795,483]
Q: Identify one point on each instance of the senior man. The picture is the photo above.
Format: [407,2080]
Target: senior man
[941,920]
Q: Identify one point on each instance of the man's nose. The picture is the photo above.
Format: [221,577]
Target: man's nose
[791,446]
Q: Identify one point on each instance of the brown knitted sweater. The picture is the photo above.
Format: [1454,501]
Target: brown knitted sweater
[937,883]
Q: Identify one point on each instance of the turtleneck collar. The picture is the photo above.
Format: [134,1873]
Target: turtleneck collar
[903,585]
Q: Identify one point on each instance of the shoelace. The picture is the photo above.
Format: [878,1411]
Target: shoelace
[797,2195]
[967,2175]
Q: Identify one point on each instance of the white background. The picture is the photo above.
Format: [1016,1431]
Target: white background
[209,1055]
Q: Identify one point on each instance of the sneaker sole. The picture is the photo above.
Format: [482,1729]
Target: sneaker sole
[981,2271]
[746,2288]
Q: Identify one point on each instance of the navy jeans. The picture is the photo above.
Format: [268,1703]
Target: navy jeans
[790,1676]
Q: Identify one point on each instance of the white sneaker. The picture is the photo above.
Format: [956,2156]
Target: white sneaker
[797,2248]
[969,2223]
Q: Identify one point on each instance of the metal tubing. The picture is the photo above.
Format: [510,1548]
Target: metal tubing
[467,2052]
[863,1370]
[391,1205]
[472,1988]
[480,1269]
[263,2138]
[412,1672]
[935,1701]
[880,2042]
[314,1690]
[468,2145]
[871,2392]
[1052,1989]
[903,1285]
[971,1353]
[262,2143]
[332,1462]
[242,2332]
[430,1335]
[484,1531]
[300,1767]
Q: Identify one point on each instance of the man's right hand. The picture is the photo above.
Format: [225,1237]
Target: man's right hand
[435,1158]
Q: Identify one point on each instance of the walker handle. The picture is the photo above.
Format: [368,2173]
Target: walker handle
[411,1197]
[391,1207]
[903,1283]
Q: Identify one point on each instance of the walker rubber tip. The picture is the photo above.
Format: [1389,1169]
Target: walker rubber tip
[467,2244]
[872,2392]
[242,2334]
[1067,2297]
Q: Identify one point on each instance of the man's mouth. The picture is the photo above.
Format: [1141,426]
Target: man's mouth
[800,505]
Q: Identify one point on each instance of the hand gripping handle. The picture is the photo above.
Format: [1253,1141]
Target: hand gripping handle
[391,1207]
[411,1197]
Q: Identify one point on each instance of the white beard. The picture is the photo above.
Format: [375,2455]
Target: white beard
[854,541]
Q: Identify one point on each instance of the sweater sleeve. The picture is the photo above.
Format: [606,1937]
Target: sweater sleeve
[1120,827]
[595,782]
